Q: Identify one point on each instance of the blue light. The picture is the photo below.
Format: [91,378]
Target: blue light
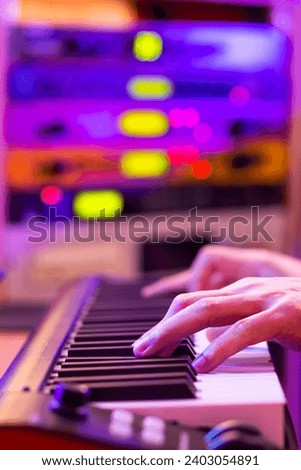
[98,125]
[24,81]
[239,48]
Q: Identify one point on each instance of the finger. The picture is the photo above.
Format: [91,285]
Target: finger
[213,333]
[176,282]
[212,311]
[183,301]
[216,281]
[201,271]
[260,327]
[167,352]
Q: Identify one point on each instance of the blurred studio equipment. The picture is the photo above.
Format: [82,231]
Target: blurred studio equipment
[120,111]
[153,119]
[89,13]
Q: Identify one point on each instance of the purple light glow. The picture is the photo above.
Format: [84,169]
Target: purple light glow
[239,96]
[203,133]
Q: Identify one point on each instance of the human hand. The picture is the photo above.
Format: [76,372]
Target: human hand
[252,309]
[218,266]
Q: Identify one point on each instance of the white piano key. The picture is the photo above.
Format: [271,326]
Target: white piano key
[254,396]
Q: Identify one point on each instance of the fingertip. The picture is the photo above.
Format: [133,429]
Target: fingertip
[140,345]
[153,289]
[201,364]
[137,353]
[138,350]
[144,344]
[145,292]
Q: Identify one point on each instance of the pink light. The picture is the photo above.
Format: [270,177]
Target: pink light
[239,96]
[190,154]
[176,117]
[175,154]
[203,133]
[184,117]
[51,195]
[180,155]
[192,117]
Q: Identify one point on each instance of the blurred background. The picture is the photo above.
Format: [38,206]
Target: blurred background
[152,108]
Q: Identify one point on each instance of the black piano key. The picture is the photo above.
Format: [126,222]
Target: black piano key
[81,337]
[184,350]
[80,379]
[92,344]
[108,289]
[190,340]
[146,312]
[111,333]
[147,390]
[116,327]
[130,316]
[113,336]
[129,362]
[103,320]
[113,342]
[118,369]
[131,304]
[119,350]
[100,351]
[119,358]
[158,389]
[121,336]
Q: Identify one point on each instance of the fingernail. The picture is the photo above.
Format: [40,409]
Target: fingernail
[142,344]
[2,274]
[141,339]
[200,364]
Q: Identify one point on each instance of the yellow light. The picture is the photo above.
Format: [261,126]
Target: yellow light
[144,123]
[104,204]
[144,164]
[148,46]
[150,88]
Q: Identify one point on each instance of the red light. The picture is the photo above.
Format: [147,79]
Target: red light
[239,96]
[51,195]
[190,154]
[186,154]
[175,154]
[202,169]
